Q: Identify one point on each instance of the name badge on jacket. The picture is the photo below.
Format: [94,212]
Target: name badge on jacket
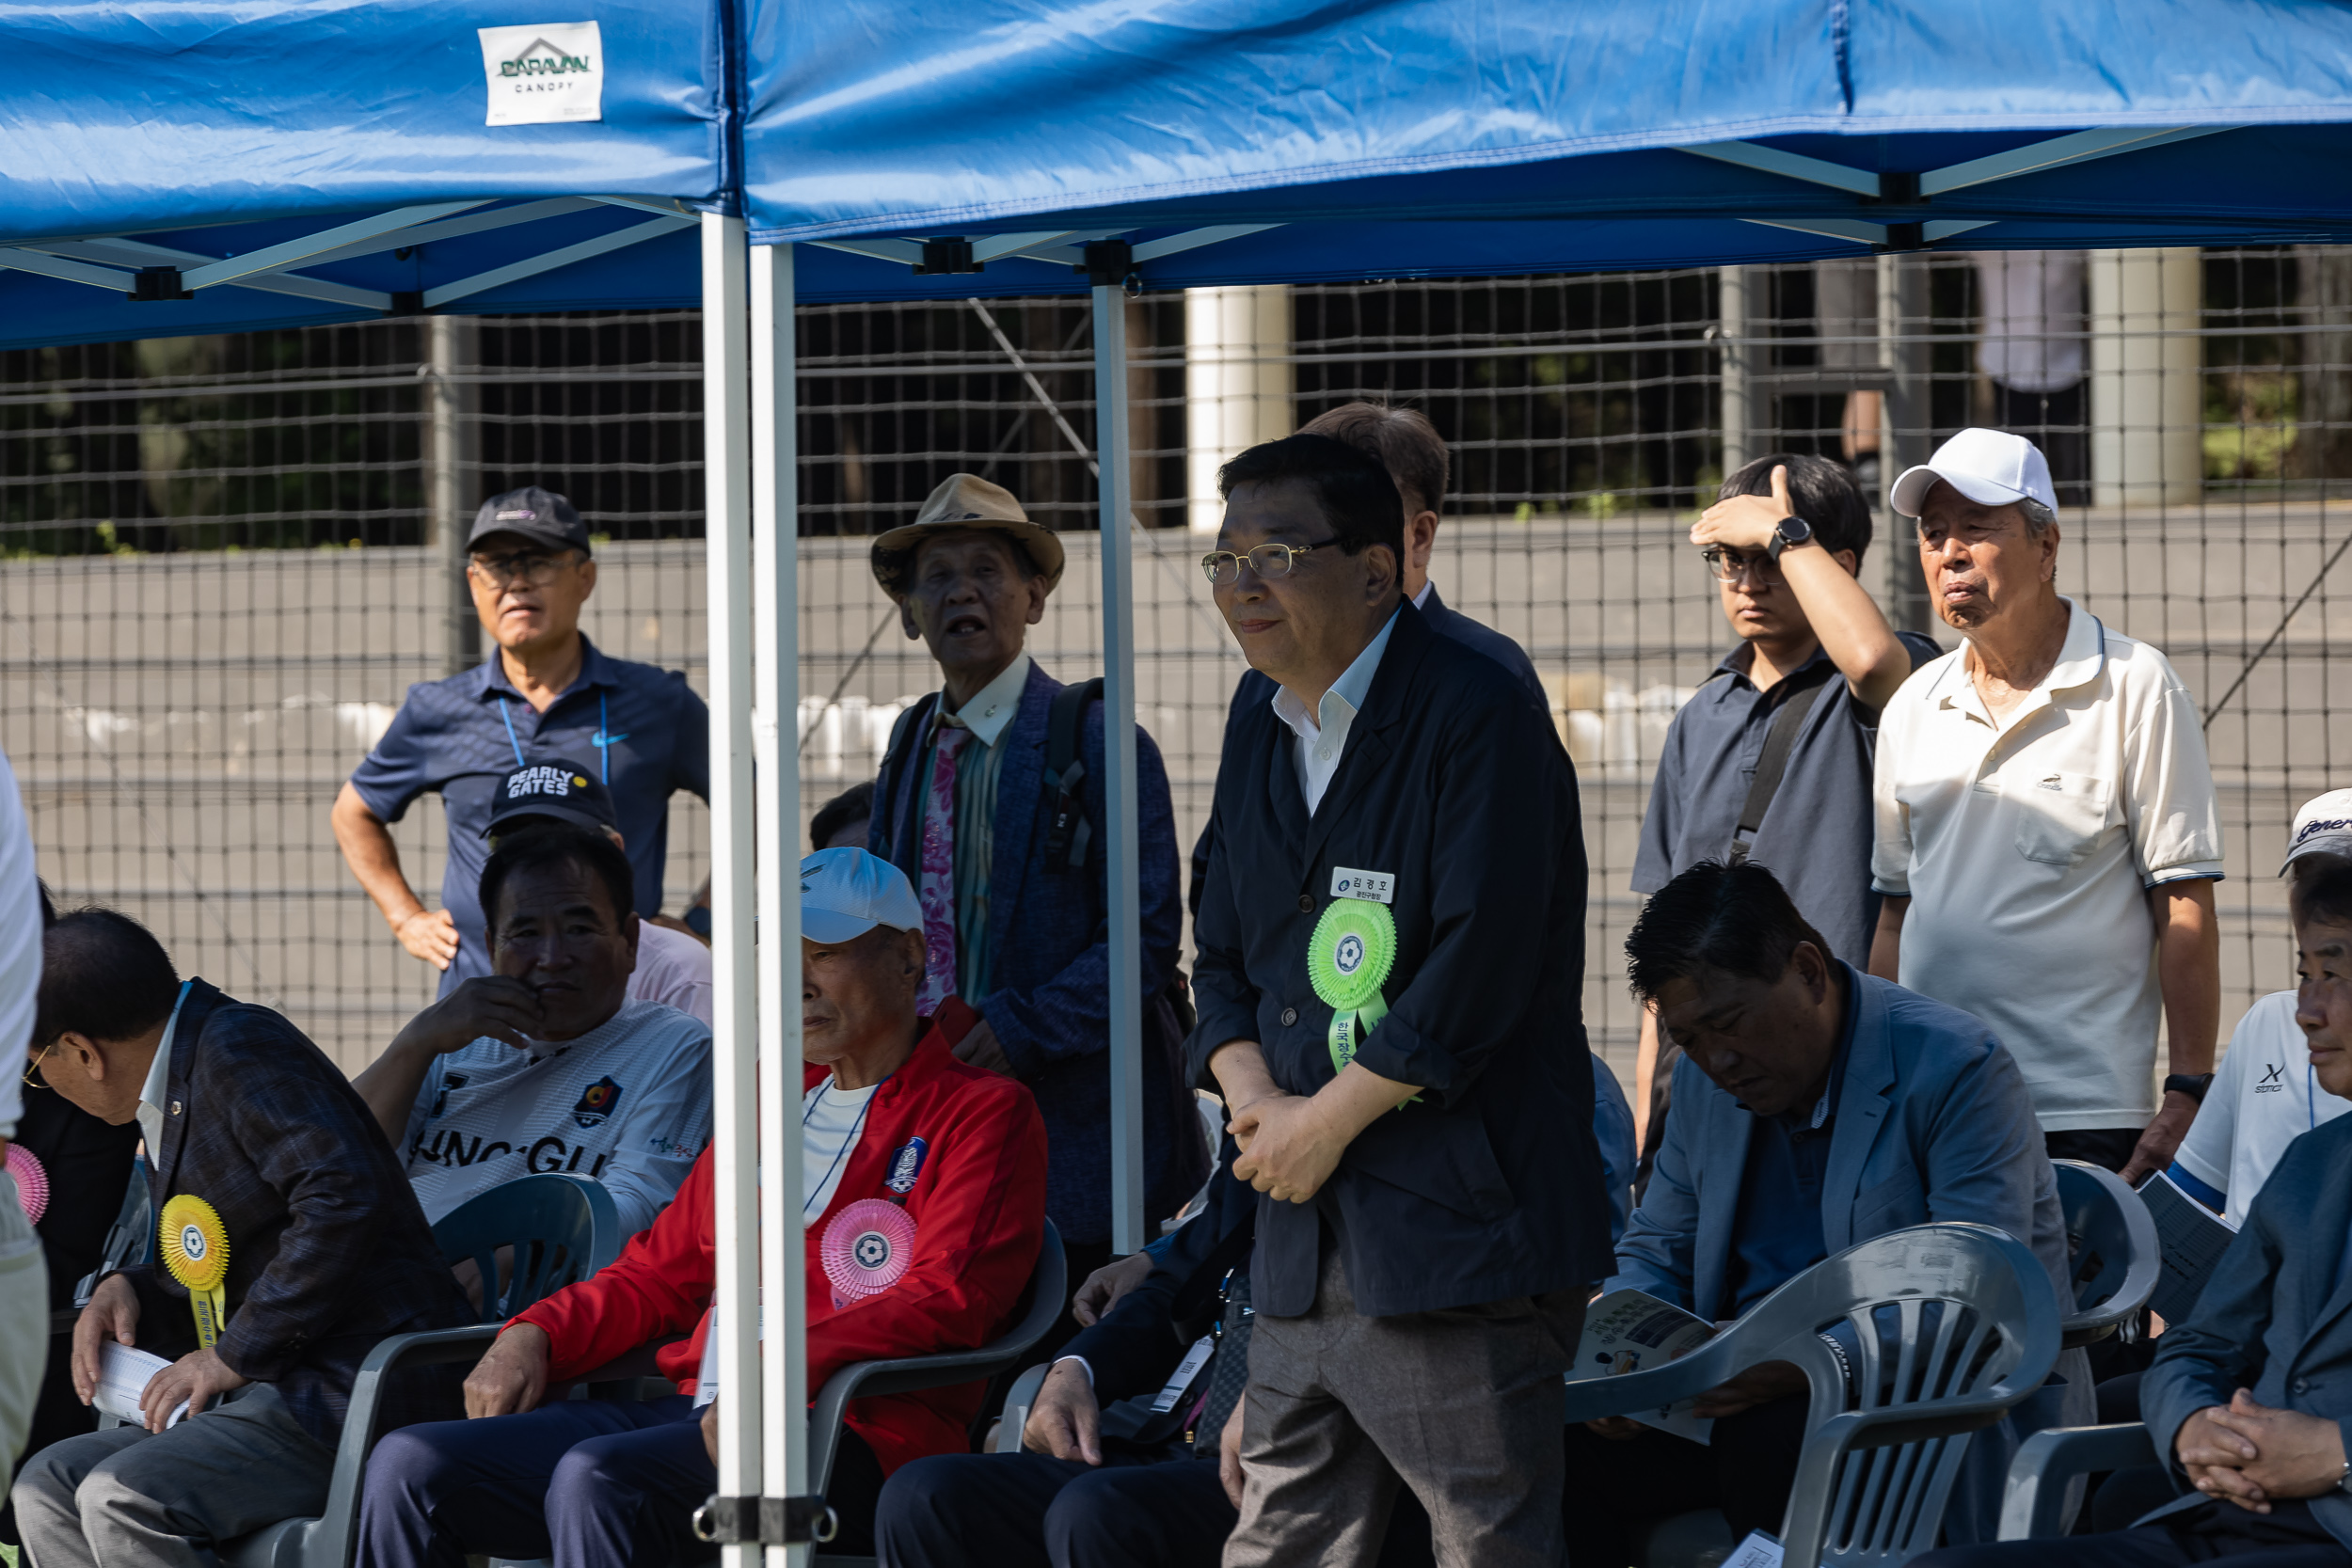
[1377,887]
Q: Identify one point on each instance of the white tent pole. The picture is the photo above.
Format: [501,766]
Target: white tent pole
[726,530]
[1119,757]
[775,539]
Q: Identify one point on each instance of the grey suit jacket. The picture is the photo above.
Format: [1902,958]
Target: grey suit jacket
[1933,1124]
[2276,1316]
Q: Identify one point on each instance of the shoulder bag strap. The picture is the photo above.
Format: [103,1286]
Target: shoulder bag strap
[1773,764]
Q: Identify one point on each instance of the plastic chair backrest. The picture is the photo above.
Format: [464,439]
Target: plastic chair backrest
[2111,1249]
[562,1229]
[1949,1326]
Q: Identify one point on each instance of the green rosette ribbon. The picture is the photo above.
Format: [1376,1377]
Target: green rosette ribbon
[1349,960]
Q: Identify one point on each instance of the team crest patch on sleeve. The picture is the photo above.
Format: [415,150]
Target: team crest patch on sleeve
[907,1164]
[596,1102]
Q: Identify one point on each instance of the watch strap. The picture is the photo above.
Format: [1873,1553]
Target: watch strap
[1784,538]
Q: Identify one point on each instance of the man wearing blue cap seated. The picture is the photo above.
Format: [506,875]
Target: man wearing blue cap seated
[924,1207]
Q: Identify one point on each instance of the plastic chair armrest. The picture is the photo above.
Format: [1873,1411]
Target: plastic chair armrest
[1018,1401]
[2034,1496]
[867,1379]
[334,1536]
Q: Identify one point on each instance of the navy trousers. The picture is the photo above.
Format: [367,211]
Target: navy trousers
[591,1483]
[1139,1508]
[1034,1510]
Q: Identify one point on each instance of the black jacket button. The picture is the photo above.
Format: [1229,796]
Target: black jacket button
[1306,903]
[1290,1016]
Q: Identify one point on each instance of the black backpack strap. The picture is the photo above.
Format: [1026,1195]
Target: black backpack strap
[1773,764]
[1069,835]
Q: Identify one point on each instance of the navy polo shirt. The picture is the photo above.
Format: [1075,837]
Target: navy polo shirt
[1815,835]
[638,727]
[1777,1232]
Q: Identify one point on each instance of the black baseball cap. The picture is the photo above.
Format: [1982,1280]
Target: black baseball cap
[539,515]
[559,790]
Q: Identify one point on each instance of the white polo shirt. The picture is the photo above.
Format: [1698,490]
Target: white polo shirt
[2026,846]
[2265,1095]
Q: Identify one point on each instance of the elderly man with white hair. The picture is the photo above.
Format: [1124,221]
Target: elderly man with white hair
[2048,839]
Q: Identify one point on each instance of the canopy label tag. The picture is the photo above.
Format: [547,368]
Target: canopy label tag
[545,73]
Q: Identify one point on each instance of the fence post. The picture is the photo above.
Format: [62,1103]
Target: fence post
[453,457]
[1731,339]
[1908,429]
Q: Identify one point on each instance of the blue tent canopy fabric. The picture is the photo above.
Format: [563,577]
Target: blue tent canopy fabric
[189,134]
[1222,141]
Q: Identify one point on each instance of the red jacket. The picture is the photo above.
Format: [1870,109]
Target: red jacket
[978,1201]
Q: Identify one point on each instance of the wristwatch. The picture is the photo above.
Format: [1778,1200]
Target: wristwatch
[1788,534]
[2193,1084]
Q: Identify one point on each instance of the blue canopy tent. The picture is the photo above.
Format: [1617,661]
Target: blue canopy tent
[1023,147]
[173,168]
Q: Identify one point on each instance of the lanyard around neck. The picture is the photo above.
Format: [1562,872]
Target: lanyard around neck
[602,740]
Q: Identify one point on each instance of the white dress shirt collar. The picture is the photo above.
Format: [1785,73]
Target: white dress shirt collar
[1421,600]
[994,706]
[158,1086]
[1323,736]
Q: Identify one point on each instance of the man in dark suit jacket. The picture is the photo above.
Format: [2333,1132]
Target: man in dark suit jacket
[964,807]
[328,1253]
[2249,1401]
[1402,442]
[1391,961]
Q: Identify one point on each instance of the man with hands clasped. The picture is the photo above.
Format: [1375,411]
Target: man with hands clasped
[1391,948]
[2249,1399]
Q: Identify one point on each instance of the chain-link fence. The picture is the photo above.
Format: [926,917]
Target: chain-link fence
[227,557]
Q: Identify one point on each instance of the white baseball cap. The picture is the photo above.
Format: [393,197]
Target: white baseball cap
[1991,467]
[2323,826]
[846,892]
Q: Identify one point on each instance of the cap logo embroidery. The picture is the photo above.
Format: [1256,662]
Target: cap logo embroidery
[519,516]
[558,782]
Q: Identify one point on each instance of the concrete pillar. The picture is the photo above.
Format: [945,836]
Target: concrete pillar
[1238,384]
[452,464]
[2147,405]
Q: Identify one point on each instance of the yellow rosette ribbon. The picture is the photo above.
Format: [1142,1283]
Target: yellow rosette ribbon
[194,1246]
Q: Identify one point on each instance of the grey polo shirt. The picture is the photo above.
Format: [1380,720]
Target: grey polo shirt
[1816,836]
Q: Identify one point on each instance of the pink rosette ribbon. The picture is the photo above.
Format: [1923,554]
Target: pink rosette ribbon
[32,1182]
[866,1248]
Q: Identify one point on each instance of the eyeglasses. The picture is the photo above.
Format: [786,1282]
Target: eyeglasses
[1726,564]
[1269,561]
[501,571]
[32,1068]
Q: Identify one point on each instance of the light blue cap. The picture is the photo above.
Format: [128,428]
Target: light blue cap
[846,892]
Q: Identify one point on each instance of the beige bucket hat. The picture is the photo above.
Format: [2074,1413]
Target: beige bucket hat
[964,502]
